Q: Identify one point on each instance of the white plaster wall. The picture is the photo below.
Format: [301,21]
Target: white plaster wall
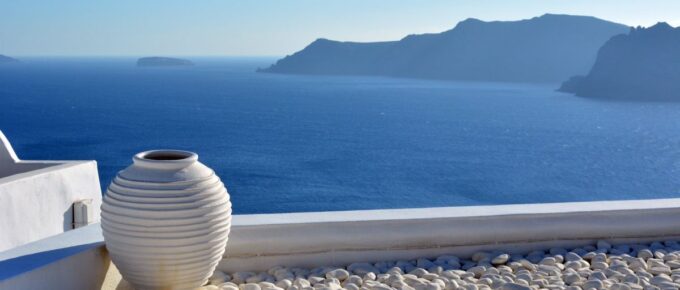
[36,197]
[258,242]
[38,204]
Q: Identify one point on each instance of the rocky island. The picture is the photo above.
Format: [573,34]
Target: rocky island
[7,59]
[156,61]
[549,48]
[643,65]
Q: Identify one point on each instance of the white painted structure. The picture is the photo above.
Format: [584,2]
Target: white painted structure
[37,197]
[258,242]
[72,260]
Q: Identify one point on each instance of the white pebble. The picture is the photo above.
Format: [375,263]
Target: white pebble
[249,286]
[500,259]
[362,268]
[369,276]
[218,278]
[645,254]
[241,277]
[227,286]
[596,284]
[340,274]
[514,286]
[603,266]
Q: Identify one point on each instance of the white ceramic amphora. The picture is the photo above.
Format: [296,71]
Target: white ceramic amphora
[165,220]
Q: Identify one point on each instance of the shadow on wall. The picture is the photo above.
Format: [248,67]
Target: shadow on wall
[68,219]
[19,265]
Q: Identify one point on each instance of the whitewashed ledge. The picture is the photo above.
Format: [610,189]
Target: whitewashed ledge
[75,259]
[309,240]
[259,242]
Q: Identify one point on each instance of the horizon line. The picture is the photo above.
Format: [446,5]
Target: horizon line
[136,55]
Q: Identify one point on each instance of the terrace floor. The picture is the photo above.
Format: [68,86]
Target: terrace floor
[600,266]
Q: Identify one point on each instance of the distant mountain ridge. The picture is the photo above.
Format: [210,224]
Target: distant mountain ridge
[7,59]
[641,65]
[549,48]
[163,61]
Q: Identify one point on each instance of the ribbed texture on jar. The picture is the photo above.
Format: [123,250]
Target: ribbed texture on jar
[166,235]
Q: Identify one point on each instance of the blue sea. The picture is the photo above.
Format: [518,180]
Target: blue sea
[287,143]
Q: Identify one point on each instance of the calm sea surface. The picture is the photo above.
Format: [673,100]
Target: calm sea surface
[299,143]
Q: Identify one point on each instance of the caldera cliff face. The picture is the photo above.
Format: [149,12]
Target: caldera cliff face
[643,65]
[549,48]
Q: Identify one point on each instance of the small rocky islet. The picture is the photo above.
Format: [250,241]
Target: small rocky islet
[600,266]
[7,59]
[157,61]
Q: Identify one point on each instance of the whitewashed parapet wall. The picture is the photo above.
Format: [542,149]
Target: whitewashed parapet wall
[37,197]
[258,242]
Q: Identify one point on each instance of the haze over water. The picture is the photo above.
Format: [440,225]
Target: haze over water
[285,143]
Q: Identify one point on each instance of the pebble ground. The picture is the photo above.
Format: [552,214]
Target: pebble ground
[600,266]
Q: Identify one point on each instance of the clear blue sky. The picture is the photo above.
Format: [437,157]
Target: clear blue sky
[262,27]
